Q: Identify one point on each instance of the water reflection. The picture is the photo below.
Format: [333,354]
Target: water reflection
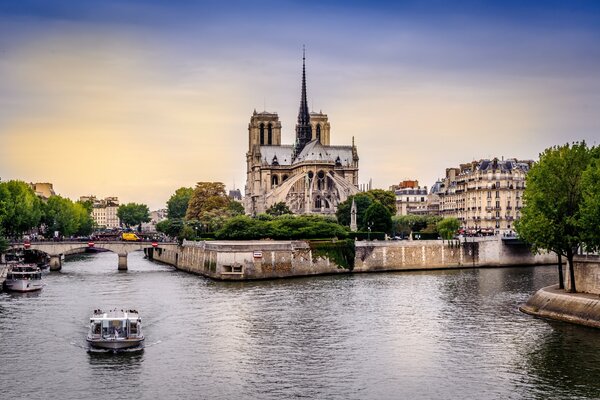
[434,335]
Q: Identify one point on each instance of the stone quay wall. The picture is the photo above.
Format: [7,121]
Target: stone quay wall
[436,254]
[246,260]
[587,274]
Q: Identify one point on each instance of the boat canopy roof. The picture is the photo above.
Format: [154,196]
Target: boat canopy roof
[115,315]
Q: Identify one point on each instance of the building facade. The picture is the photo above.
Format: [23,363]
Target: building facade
[410,198]
[486,196]
[104,211]
[310,176]
[43,189]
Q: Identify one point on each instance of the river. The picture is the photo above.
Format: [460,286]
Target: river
[414,335]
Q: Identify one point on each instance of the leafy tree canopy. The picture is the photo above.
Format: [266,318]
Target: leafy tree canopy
[448,227]
[177,204]
[362,200]
[132,214]
[378,218]
[207,196]
[552,215]
[20,208]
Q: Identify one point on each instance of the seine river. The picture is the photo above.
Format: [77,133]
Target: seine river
[420,335]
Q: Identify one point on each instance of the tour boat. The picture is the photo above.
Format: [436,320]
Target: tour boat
[23,278]
[115,330]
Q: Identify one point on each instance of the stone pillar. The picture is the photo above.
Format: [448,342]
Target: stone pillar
[55,262]
[123,262]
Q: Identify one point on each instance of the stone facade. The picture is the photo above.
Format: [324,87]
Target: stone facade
[266,259]
[410,198]
[310,176]
[104,211]
[485,196]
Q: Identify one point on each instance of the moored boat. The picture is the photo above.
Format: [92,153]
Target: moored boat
[115,330]
[23,278]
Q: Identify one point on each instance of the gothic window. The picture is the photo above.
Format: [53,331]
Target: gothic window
[318,202]
[319,132]
[275,161]
[270,133]
[321,180]
[284,178]
[338,162]
[274,181]
[262,134]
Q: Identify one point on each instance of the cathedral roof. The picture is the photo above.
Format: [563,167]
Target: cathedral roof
[313,151]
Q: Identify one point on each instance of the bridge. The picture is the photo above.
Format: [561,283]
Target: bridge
[56,250]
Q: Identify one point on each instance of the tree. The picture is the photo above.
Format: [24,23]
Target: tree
[553,198]
[61,216]
[3,243]
[85,222]
[278,209]
[447,228]
[236,208]
[20,208]
[362,200]
[378,218]
[170,227]
[177,204]
[590,208]
[386,197]
[207,196]
[133,214]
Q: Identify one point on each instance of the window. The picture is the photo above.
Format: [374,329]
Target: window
[262,134]
[319,132]
[497,194]
[270,133]
[489,195]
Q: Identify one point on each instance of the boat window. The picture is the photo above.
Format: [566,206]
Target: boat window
[133,328]
[96,329]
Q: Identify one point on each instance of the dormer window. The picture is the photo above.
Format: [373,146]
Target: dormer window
[338,162]
[275,161]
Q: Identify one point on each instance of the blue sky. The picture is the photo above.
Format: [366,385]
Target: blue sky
[168,87]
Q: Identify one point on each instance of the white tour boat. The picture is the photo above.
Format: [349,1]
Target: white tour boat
[23,278]
[115,330]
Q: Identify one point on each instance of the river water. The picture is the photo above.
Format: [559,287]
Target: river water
[413,335]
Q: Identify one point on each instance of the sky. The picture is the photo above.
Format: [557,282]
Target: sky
[135,99]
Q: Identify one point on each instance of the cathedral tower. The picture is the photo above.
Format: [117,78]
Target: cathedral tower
[303,128]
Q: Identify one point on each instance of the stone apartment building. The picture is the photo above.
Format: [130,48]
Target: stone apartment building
[486,195]
[104,211]
[43,189]
[410,198]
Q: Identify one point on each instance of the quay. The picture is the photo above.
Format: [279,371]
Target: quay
[268,259]
[581,308]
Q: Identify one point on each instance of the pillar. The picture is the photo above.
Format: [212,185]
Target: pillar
[55,262]
[123,262]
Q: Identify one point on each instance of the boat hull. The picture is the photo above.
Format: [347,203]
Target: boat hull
[116,344]
[19,285]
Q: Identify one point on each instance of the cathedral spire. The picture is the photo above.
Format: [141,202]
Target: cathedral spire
[303,128]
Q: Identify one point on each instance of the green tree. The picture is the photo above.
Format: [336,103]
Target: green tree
[590,208]
[20,208]
[3,243]
[85,222]
[551,216]
[362,200]
[60,216]
[278,209]
[177,204]
[447,228]
[170,227]
[386,197]
[132,214]
[236,208]
[378,218]
[207,196]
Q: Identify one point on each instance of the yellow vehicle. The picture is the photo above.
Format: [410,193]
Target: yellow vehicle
[130,237]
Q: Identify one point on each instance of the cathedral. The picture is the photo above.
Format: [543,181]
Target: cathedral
[310,176]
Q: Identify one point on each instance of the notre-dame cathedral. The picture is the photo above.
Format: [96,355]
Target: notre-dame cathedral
[310,176]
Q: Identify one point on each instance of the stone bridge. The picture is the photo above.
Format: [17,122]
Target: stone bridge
[56,250]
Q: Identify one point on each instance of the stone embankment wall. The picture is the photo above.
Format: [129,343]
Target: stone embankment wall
[435,254]
[587,274]
[231,260]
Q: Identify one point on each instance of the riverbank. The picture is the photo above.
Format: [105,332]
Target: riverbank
[554,303]
[268,259]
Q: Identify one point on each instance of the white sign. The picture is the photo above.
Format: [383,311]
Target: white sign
[258,254]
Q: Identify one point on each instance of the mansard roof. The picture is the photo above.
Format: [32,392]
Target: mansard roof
[283,153]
